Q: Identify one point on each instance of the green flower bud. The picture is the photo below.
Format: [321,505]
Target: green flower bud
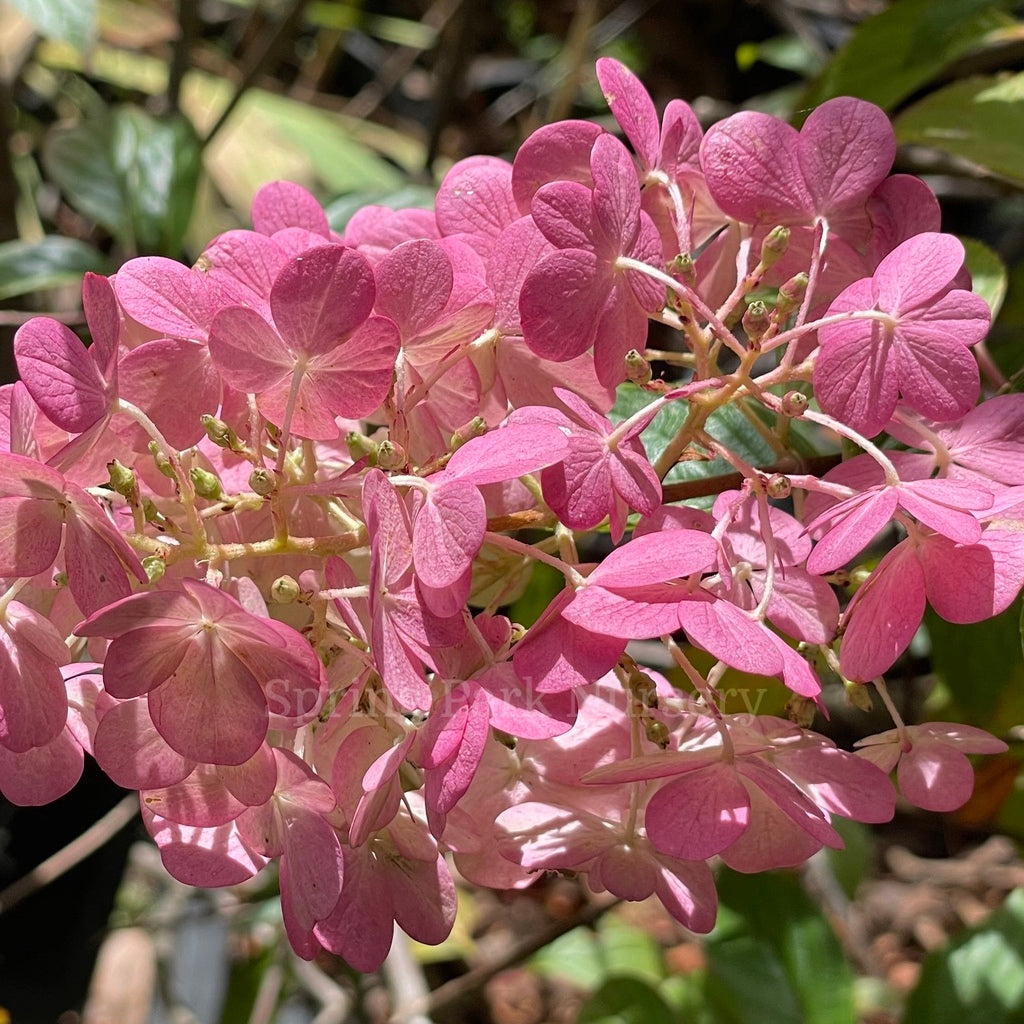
[154,567]
[284,590]
[263,482]
[359,445]
[474,428]
[791,294]
[123,480]
[207,484]
[220,433]
[756,322]
[774,246]
[657,732]
[801,710]
[858,695]
[150,511]
[163,463]
[390,456]
[682,268]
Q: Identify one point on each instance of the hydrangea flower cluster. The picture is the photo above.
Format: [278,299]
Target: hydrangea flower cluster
[258,538]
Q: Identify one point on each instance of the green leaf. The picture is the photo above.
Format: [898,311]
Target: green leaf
[803,964]
[30,266]
[980,120]
[978,976]
[728,425]
[625,1001]
[978,663]
[73,21]
[574,956]
[895,53]
[746,984]
[630,951]
[341,210]
[131,173]
[988,273]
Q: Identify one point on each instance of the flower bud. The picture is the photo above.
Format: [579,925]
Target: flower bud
[657,732]
[638,370]
[474,428]
[154,567]
[756,322]
[794,403]
[774,246]
[123,481]
[150,511]
[791,294]
[163,463]
[801,710]
[220,433]
[263,482]
[390,456]
[778,486]
[359,445]
[858,695]
[207,484]
[643,688]
[682,268]
[284,590]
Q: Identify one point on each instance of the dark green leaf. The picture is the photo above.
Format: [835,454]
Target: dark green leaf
[907,45]
[815,980]
[625,1001]
[71,21]
[134,174]
[978,663]
[980,120]
[629,950]
[30,266]
[977,977]
[341,210]
[746,984]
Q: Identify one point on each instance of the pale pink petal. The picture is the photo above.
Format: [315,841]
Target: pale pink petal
[42,774]
[414,282]
[917,272]
[131,751]
[283,204]
[247,351]
[448,533]
[165,296]
[935,777]
[475,199]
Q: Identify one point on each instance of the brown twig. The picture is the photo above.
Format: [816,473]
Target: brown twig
[265,55]
[188,30]
[74,853]
[451,991]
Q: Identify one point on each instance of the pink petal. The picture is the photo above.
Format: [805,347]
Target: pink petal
[656,558]
[241,267]
[728,633]
[283,204]
[507,453]
[917,271]
[448,533]
[320,297]
[883,616]
[59,373]
[43,774]
[935,777]
[247,351]
[699,815]
[131,751]
[554,152]
[165,296]
[475,198]
[845,150]
[863,517]
[632,107]
[414,282]
[616,195]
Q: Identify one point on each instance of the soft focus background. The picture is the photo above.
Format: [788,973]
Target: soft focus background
[145,126]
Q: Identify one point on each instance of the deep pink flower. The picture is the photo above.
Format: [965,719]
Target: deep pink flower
[914,347]
[324,356]
[578,298]
[214,672]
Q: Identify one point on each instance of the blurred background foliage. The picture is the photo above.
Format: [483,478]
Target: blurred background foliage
[133,127]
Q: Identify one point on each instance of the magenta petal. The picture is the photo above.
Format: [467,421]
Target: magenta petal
[104,320]
[616,195]
[449,531]
[751,164]
[883,616]
[862,517]
[414,282]
[508,453]
[210,709]
[320,297]
[698,815]
[59,373]
[656,558]
[476,199]
[282,204]
[728,633]
[561,302]
[241,267]
[247,351]
[846,149]
[917,271]
[165,296]
[554,152]
[632,107]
